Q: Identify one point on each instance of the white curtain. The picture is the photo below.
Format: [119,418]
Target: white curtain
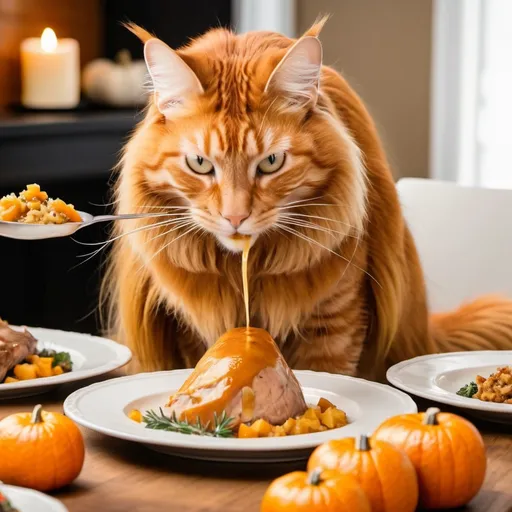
[471,128]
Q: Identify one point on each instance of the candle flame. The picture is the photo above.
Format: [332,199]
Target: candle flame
[48,40]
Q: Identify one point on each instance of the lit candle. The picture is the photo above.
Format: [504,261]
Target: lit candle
[50,72]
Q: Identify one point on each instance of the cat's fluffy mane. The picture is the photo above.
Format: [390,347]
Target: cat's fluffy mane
[348,300]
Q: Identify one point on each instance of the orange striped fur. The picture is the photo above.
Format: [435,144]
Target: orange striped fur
[340,288]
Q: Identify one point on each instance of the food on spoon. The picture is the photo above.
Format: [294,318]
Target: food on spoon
[15,346]
[5,504]
[443,448]
[496,388]
[19,359]
[244,376]
[45,450]
[33,206]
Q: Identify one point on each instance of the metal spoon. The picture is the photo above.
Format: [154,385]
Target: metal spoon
[23,231]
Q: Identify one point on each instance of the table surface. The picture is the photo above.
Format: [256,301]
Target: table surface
[119,475]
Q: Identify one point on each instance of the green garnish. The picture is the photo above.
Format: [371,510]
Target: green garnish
[171,424]
[469,390]
[62,359]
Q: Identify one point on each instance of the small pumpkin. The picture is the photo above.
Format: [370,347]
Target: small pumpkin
[40,450]
[385,473]
[318,491]
[118,83]
[447,451]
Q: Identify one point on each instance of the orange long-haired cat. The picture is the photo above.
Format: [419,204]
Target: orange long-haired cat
[250,134]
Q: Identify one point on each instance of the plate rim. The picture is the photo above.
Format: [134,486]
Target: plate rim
[187,443]
[57,505]
[123,356]
[443,396]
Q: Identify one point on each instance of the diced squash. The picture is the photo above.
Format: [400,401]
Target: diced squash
[67,209]
[246,432]
[10,209]
[340,418]
[57,370]
[289,425]
[44,367]
[324,404]
[34,192]
[25,371]
[327,418]
[301,426]
[33,359]
[262,427]
[134,414]
[278,431]
[10,380]
[310,414]
[313,425]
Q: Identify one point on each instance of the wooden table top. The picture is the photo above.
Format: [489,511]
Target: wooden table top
[119,476]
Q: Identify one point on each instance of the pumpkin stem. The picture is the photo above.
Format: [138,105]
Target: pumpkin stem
[363,443]
[314,477]
[36,414]
[431,416]
[123,57]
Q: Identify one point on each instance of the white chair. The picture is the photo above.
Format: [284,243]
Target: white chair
[463,236]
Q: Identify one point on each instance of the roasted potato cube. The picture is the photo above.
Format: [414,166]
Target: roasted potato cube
[10,380]
[262,427]
[44,367]
[34,192]
[246,432]
[57,370]
[327,418]
[33,359]
[324,404]
[304,426]
[340,418]
[25,371]
[289,425]
[312,414]
[134,414]
[278,431]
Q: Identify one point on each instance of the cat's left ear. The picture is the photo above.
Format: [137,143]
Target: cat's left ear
[297,76]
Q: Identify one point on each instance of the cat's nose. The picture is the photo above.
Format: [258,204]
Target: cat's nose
[236,220]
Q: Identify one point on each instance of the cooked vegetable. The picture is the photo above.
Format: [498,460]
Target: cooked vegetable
[468,390]
[45,450]
[383,471]
[318,491]
[135,415]
[171,423]
[62,359]
[443,448]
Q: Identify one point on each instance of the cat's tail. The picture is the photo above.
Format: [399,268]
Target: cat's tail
[485,324]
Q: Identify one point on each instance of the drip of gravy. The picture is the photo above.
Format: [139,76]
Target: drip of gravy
[245,257]
[227,368]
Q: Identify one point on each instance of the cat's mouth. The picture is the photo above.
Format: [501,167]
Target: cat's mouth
[236,242]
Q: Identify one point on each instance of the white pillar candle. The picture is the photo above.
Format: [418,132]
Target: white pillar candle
[50,72]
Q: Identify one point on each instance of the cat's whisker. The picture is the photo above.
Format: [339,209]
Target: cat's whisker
[166,207]
[305,205]
[184,224]
[302,200]
[193,228]
[309,225]
[293,214]
[311,240]
[141,228]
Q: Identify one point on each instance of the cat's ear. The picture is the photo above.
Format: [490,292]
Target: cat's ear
[173,80]
[297,76]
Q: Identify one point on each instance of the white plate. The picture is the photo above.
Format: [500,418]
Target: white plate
[104,407]
[28,500]
[91,356]
[439,376]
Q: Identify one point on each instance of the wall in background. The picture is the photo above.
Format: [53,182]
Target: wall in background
[383,48]
[20,19]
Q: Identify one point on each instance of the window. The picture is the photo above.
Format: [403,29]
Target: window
[471,131]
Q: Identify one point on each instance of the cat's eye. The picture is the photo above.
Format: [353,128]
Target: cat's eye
[272,163]
[198,164]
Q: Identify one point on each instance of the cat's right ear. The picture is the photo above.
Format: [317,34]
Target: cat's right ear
[173,80]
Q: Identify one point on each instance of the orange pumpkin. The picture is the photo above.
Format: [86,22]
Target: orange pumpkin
[318,491]
[384,472]
[40,450]
[447,451]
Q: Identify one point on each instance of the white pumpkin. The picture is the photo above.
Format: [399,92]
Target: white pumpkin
[119,83]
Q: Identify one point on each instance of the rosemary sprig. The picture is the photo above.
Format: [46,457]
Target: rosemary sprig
[171,423]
